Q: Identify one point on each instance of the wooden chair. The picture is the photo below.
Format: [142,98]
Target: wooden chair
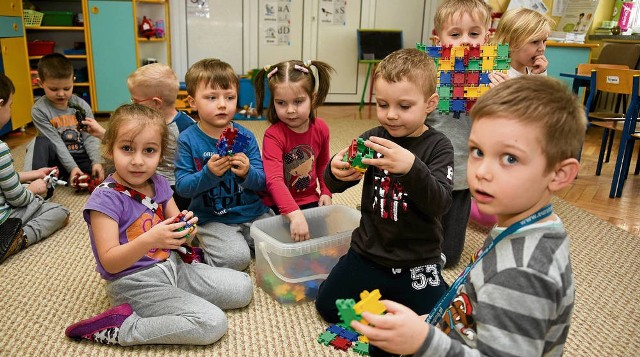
[623,82]
[609,105]
[627,141]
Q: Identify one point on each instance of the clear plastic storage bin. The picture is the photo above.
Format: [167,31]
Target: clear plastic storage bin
[292,271]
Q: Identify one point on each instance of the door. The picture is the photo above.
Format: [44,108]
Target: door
[113,47]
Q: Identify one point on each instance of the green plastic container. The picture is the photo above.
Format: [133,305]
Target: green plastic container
[57,18]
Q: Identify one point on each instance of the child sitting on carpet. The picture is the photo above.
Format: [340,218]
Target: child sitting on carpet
[518,292]
[406,189]
[223,188]
[60,141]
[158,297]
[20,206]
[295,149]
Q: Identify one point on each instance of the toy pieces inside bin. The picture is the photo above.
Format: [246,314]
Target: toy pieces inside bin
[40,48]
[57,18]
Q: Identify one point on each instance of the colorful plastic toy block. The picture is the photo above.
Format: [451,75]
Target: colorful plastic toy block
[231,142]
[464,71]
[340,343]
[370,301]
[326,337]
[345,310]
[358,151]
[361,348]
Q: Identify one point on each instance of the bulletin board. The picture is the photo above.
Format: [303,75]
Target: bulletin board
[375,44]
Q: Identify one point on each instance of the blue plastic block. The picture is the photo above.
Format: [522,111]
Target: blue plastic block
[434,51]
[459,65]
[484,78]
[445,78]
[458,105]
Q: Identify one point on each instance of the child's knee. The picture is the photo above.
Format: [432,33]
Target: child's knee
[213,325]
[326,307]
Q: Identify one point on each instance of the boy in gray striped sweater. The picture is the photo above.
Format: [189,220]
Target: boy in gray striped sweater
[20,205]
[516,297]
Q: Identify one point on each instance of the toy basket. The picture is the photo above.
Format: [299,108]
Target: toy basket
[32,17]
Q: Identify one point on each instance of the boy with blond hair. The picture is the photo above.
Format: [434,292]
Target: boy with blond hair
[406,188]
[526,32]
[519,291]
[458,23]
[156,86]
[223,188]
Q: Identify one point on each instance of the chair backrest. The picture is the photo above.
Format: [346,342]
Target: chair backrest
[615,80]
[620,53]
[610,80]
[584,69]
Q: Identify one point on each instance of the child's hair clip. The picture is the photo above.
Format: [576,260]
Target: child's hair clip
[300,68]
[273,71]
[307,63]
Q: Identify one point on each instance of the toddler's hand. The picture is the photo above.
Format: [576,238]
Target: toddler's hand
[97,171]
[324,200]
[94,128]
[191,220]
[240,164]
[342,170]
[218,165]
[540,64]
[497,78]
[298,227]
[399,331]
[39,187]
[395,158]
[165,235]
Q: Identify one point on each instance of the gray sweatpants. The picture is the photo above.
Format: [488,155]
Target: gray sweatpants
[178,303]
[40,218]
[227,245]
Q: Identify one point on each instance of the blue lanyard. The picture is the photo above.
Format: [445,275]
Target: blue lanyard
[443,304]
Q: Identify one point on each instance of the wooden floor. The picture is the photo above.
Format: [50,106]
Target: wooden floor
[589,192]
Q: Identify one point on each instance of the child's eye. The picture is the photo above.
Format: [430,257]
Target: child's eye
[455,34]
[279,102]
[475,152]
[405,106]
[299,101]
[231,97]
[211,97]
[149,150]
[382,105]
[509,159]
[126,148]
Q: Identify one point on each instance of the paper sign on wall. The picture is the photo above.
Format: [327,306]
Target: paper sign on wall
[332,12]
[276,19]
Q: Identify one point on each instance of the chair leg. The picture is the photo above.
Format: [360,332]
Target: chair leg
[637,170]
[616,180]
[605,134]
[626,164]
[612,136]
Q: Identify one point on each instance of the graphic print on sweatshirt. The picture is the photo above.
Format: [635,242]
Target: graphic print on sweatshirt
[226,194]
[297,167]
[142,225]
[390,197]
[67,128]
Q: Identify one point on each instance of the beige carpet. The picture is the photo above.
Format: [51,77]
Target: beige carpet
[53,284]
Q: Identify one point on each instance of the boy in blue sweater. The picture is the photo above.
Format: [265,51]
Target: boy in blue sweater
[223,189]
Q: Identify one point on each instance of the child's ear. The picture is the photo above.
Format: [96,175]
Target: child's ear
[487,36]
[436,40]
[1,102]
[564,174]
[432,103]
[39,82]
[192,102]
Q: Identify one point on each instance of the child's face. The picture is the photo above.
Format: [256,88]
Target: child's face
[136,155]
[402,108]
[58,91]
[5,111]
[215,106]
[463,29]
[506,170]
[293,105]
[526,55]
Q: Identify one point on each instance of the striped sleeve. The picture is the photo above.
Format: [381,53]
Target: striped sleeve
[13,193]
[521,295]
